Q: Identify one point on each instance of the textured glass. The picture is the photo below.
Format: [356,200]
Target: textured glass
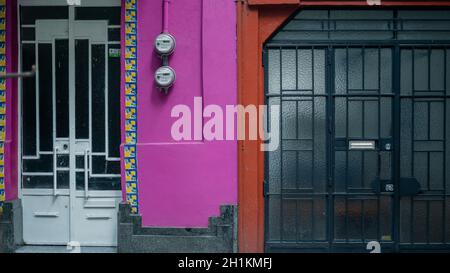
[372,68]
[289,119]
[437,70]
[319,71]
[305,69]
[355,68]
[289,69]
[340,70]
[371,119]
[305,169]
[274,71]
[436,120]
[305,119]
[421,77]
[274,218]
[355,109]
[406,78]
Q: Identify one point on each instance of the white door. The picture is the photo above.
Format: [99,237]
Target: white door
[70,124]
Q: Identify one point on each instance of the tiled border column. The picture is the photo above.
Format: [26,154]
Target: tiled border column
[130,158]
[2,101]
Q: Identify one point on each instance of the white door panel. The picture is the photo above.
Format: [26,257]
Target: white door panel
[96,221]
[46,219]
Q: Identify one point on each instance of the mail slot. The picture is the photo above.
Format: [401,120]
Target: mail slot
[361,145]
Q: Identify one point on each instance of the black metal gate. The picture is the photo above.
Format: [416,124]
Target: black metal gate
[365,142]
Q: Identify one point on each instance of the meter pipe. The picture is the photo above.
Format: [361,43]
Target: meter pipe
[166,16]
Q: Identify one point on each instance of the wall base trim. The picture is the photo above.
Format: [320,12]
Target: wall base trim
[11,226]
[219,237]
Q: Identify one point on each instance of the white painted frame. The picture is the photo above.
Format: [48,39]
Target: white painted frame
[85,3]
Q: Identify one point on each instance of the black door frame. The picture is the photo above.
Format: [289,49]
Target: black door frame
[329,46]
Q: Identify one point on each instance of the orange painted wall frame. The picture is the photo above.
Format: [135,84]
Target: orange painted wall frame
[257,20]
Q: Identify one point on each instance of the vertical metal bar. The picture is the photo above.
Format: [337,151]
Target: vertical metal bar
[266,192]
[106,94]
[313,222]
[411,224]
[444,170]
[429,121]
[346,152]
[363,153]
[297,220]
[313,122]
[395,170]
[89,60]
[296,68]
[379,137]
[329,89]
[86,174]
[38,141]
[72,136]
[363,215]
[55,171]
[363,157]
[428,221]
[281,146]
[54,93]
[363,59]
[429,67]
[428,171]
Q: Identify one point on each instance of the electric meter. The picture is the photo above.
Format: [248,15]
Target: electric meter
[165,77]
[165,44]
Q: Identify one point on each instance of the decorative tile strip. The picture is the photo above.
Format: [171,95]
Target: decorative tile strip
[130,158]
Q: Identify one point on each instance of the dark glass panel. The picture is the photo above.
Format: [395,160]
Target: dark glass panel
[62,88]
[114,34]
[45,69]
[114,104]
[43,164]
[79,162]
[28,15]
[28,34]
[98,98]
[63,161]
[98,184]
[112,14]
[82,89]
[37,182]
[28,102]
[63,178]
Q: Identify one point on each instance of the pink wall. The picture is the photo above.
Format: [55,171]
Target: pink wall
[11,103]
[183,184]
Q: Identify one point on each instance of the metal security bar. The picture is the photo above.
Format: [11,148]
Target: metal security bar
[28,74]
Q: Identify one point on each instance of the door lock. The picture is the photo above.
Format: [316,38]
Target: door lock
[388,146]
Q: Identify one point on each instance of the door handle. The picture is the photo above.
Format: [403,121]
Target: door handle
[86,174]
[55,177]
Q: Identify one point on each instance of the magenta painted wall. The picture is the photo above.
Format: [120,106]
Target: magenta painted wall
[183,184]
[11,162]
